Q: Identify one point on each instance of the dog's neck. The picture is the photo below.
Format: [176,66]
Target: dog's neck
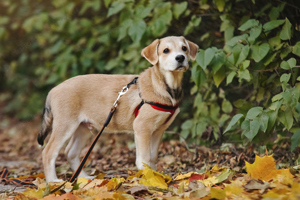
[166,86]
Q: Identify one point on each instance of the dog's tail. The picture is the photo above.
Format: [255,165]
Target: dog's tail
[46,124]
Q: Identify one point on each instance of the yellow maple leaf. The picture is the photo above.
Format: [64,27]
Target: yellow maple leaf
[153,178]
[34,193]
[114,183]
[210,181]
[183,176]
[232,191]
[264,168]
[217,193]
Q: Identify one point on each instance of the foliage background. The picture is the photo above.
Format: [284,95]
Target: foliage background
[244,85]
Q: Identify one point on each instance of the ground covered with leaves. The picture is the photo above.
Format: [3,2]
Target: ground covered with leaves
[183,170]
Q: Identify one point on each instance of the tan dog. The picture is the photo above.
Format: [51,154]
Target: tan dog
[83,102]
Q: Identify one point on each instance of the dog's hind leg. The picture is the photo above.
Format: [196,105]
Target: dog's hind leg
[75,147]
[60,134]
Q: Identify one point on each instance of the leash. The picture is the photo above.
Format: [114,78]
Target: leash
[3,178]
[112,111]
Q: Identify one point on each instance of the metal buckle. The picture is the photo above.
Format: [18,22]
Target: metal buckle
[123,91]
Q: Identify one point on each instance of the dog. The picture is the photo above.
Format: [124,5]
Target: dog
[148,108]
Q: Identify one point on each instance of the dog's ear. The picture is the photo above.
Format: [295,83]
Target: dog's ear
[193,49]
[150,52]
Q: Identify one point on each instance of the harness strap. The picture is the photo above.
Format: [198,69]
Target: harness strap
[157,106]
[133,82]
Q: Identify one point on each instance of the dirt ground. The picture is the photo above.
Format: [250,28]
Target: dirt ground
[115,154]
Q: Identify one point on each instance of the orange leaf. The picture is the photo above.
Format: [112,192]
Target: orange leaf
[264,168]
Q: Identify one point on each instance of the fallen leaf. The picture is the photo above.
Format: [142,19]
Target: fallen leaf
[153,178]
[34,193]
[197,177]
[217,193]
[68,196]
[210,181]
[263,168]
[114,183]
[257,185]
[183,176]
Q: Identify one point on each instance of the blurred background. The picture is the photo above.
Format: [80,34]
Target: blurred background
[248,54]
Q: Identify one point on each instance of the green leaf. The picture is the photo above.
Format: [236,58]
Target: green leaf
[249,24]
[245,64]
[137,29]
[250,128]
[226,106]
[184,134]
[123,28]
[286,31]
[285,77]
[198,76]
[205,57]
[259,52]
[285,65]
[230,77]
[263,120]
[277,97]
[218,61]
[220,5]
[115,7]
[292,62]
[244,74]
[238,39]
[219,76]
[194,22]
[295,139]
[254,112]
[274,13]
[208,56]
[201,128]
[47,190]
[272,24]
[296,49]
[286,118]
[243,55]
[179,8]
[188,124]
[142,12]
[255,33]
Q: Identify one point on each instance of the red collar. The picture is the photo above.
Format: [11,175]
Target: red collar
[157,106]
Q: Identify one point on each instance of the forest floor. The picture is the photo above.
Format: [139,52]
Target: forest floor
[114,155]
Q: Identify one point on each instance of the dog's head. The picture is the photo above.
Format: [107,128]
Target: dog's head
[171,53]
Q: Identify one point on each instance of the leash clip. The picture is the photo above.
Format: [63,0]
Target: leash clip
[123,91]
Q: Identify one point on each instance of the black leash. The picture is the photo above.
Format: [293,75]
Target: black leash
[4,179]
[112,111]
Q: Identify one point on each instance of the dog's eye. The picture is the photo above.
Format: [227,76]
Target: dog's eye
[184,48]
[166,50]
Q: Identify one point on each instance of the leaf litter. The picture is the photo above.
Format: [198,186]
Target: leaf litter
[182,173]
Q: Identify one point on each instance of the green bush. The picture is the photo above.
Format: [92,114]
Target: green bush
[244,81]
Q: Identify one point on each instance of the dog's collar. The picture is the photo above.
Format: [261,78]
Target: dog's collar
[157,106]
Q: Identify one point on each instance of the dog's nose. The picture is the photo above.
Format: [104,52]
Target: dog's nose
[180,58]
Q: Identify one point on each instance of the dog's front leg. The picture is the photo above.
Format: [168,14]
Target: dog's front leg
[143,148]
[155,141]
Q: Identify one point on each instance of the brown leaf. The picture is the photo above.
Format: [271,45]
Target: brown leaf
[136,189]
[257,185]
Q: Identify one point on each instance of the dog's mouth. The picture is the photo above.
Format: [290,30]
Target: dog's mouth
[181,68]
